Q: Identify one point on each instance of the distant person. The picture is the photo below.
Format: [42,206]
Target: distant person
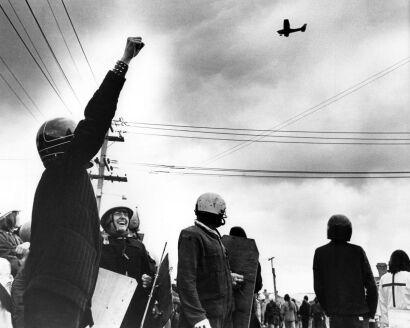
[304,312]
[204,279]
[343,280]
[273,316]
[12,247]
[318,315]
[289,312]
[62,267]
[126,255]
[394,292]
[297,313]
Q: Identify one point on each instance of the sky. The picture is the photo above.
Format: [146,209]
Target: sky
[222,64]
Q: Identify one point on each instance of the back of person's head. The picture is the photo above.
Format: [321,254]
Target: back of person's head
[25,231]
[238,232]
[339,228]
[306,298]
[399,261]
[286,297]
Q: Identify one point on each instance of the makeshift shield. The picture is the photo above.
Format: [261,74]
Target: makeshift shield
[243,259]
[160,308]
[112,295]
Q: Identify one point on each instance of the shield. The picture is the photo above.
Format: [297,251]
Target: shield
[112,295]
[160,308]
[243,259]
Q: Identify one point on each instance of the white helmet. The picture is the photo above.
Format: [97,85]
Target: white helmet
[211,203]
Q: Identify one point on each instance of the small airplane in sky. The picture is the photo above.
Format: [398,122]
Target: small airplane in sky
[287,30]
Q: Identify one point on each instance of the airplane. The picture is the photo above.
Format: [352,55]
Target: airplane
[287,30]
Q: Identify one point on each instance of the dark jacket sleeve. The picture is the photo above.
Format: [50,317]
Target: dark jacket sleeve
[90,132]
[370,285]
[188,255]
[258,283]
[318,281]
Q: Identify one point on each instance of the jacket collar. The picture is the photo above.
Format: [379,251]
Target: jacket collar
[210,230]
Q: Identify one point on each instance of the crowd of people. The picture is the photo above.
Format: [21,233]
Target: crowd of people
[49,267]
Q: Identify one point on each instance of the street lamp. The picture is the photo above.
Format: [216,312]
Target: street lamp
[274,276]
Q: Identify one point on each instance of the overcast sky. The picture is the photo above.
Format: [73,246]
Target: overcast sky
[222,64]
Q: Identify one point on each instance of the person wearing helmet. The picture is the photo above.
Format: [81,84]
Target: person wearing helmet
[62,267]
[12,247]
[343,280]
[204,278]
[125,254]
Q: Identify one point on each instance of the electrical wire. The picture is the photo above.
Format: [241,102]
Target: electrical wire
[35,60]
[277,141]
[275,136]
[278,174]
[18,97]
[121,122]
[32,44]
[62,35]
[312,110]
[53,53]
[79,42]
[21,86]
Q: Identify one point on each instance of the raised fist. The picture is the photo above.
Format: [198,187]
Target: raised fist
[132,48]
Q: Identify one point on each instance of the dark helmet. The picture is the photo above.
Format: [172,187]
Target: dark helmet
[339,228]
[238,232]
[53,138]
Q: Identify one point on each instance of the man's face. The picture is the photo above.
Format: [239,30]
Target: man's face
[121,220]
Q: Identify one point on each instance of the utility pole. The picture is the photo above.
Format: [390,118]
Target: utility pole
[274,277]
[104,163]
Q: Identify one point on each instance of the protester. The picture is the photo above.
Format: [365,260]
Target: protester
[343,280]
[254,321]
[273,316]
[6,280]
[394,292]
[126,255]
[12,247]
[297,313]
[62,267]
[304,312]
[289,312]
[318,315]
[204,278]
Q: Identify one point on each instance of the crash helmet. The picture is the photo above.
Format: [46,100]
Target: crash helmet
[339,228]
[107,219]
[53,138]
[211,203]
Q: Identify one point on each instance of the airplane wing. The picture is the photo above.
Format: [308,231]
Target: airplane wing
[286,25]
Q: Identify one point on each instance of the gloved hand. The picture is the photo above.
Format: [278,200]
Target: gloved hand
[146,281]
[203,324]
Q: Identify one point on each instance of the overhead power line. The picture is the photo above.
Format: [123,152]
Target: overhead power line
[32,44]
[79,42]
[142,124]
[195,132]
[282,141]
[63,37]
[18,97]
[35,60]
[53,53]
[312,110]
[21,86]
[288,174]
